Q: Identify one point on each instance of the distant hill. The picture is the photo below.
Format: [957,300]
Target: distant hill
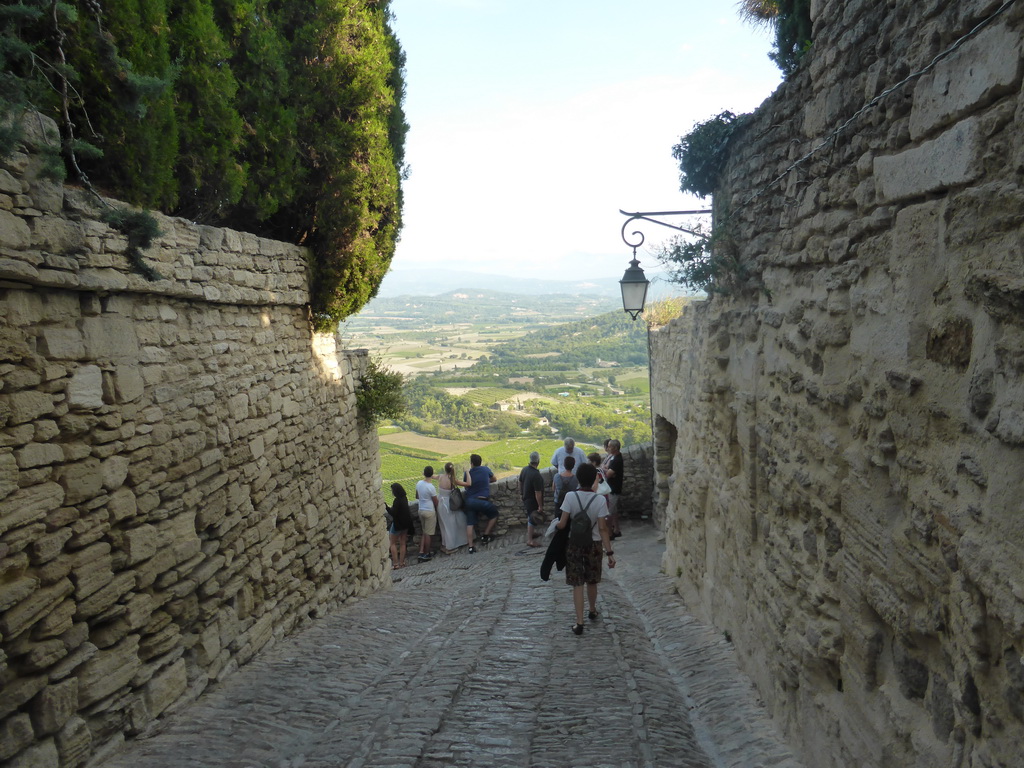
[467,305]
[432,282]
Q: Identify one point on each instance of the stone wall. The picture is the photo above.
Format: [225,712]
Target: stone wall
[182,476]
[840,455]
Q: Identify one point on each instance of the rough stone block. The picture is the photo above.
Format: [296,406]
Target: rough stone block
[128,383]
[57,234]
[108,671]
[38,455]
[41,755]
[985,66]
[17,590]
[28,405]
[44,654]
[950,160]
[114,471]
[105,597]
[110,337]
[166,688]
[85,390]
[56,622]
[138,544]
[74,743]
[54,705]
[34,607]
[44,549]
[15,734]
[82,652]
[122,505]
[81,481]
[14,232]
[92,569]
[19,691]
[62,343]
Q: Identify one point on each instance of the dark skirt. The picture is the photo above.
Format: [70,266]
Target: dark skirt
[583,565]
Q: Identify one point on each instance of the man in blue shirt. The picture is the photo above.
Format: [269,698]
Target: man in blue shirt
[568,449]
[478,501]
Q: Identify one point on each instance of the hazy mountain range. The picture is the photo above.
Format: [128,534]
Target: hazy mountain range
[429,282]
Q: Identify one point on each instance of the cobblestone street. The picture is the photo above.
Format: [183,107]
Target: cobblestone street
[469,661]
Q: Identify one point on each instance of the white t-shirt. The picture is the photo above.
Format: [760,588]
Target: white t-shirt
[424,493]
[598,508]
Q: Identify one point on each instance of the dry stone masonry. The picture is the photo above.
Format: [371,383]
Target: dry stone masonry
[182,476]
[840,454]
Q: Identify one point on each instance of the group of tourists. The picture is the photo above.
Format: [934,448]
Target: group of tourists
[585,490]
[457,520]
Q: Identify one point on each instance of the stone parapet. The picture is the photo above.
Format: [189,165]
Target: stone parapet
[840,456]
[183,478]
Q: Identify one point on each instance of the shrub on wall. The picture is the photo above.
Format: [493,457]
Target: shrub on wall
[379,394]
[702,153]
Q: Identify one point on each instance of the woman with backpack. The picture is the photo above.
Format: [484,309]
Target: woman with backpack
[585,512]
[401,526]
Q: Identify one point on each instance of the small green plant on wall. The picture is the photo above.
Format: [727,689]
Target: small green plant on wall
[709,262]
[702,153]
[379,393]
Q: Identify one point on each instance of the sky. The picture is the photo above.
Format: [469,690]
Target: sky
[534,121]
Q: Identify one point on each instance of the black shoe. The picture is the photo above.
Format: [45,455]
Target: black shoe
[592,615]
[577,629]
[472,550]
[486,539]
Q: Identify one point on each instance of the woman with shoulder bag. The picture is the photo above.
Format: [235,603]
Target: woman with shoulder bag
[452,521]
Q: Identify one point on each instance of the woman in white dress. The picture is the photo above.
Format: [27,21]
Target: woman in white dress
[452,522]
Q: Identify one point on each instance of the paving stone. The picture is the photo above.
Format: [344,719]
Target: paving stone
[469,661]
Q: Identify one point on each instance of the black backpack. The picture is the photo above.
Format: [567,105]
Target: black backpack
[580,526]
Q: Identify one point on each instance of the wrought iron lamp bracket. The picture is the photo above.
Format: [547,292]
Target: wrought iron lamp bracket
[649,216]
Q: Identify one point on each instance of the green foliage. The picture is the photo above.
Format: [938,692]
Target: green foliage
[350,209]
[611,336]
[702,153]
[126,101]
[791,20]
[659,313]
[709,263]
[27,75]
[161,88]
[141,229]
[379,394]
[209,172]
[270,148]
[792,34]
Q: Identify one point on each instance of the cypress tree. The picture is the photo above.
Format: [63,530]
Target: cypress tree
[270,146]
[210,129]
[349,211]
[127,105]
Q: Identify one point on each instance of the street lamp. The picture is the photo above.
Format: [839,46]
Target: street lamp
[634,288]
[633,283]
